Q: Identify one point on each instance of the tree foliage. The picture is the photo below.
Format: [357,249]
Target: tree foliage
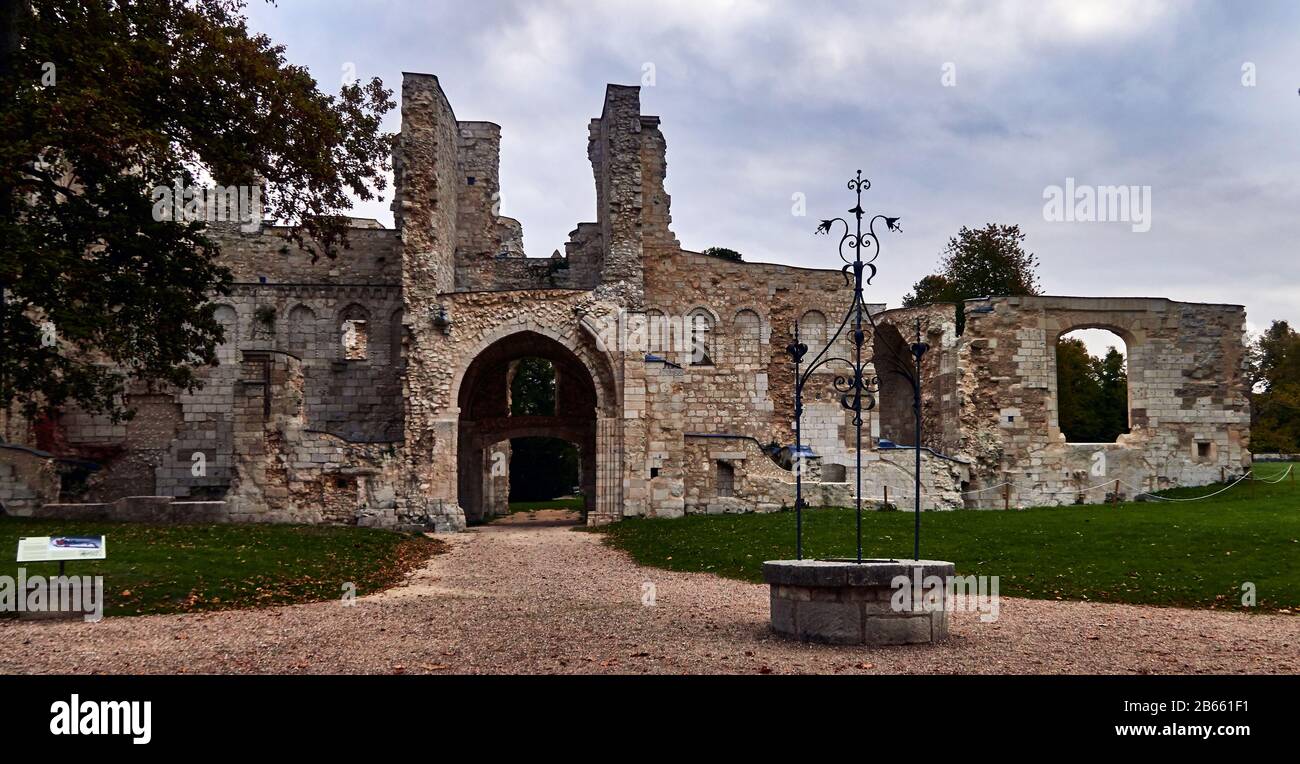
[540,468]
[1091,393]
[104,102]
[983,262]
[724,253]
[1274,376]
[532,389]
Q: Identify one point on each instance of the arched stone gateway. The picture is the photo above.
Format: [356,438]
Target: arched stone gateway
[486,425]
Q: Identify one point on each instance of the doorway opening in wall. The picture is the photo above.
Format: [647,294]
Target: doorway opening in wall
[546,474]
[1092,386]
[527,431]
[725,480]
[544,471]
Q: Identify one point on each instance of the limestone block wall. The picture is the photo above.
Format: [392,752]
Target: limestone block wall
[28,480]
[1188,411]
[285,299]
[482,319]
[615,147]
[747,388]
[283,472]
[726,475]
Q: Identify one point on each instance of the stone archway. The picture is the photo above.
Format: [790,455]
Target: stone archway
[485,421]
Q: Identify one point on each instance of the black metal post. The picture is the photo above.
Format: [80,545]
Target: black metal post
[918,350]
[857,389]
[797,351]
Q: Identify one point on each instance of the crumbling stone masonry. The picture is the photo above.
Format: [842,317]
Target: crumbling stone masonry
[373,387]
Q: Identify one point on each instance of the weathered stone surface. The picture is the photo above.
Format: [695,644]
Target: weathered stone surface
[853,603]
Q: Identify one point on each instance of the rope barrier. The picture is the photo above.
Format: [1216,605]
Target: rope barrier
[1284,474]
[986,488]
[1193,498]
[1108,483]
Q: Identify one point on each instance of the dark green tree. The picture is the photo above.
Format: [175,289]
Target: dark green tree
[988,261]
[540,468]
[1091,393]
[1077,392]
[101,104]
[724,253]
[532,389]
[1274,375]
[1112,397]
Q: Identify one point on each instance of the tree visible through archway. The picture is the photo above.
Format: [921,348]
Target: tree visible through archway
[1092,386]
[541,469]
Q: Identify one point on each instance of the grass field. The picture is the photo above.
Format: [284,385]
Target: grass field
[187,568]
[574,503]
[1191,554]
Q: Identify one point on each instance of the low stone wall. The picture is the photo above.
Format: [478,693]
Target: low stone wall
[1275,457]
[854,602]
[759,485]
[28,479]
[139,509]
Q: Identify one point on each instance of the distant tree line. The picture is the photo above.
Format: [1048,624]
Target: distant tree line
[540,468]
[1091,393]
[1273,367]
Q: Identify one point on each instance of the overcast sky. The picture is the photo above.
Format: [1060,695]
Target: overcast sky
[763,100]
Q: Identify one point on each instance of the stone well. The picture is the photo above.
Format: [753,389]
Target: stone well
[850,602]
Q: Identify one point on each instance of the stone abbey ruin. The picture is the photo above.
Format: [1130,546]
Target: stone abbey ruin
[374,388]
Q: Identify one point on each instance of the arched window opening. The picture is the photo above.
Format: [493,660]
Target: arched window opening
[892,360]
[812,331]
[701,348]
[395,335]
[302,330]
[1092,402]
[228,319]
[354,333]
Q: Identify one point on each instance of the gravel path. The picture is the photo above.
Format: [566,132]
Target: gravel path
[521,597]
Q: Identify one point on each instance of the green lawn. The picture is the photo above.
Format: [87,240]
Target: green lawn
[187,568]
[574,504]
[1193,554]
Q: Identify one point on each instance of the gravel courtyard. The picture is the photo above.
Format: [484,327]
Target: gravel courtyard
[530,595]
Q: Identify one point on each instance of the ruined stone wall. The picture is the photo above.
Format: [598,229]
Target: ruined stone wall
[427,171]
[758,484]
[28,480]
[285,472]
[747,389]
[337,397]
[181,443]
[479,194]
[615,148]
[1189,415]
